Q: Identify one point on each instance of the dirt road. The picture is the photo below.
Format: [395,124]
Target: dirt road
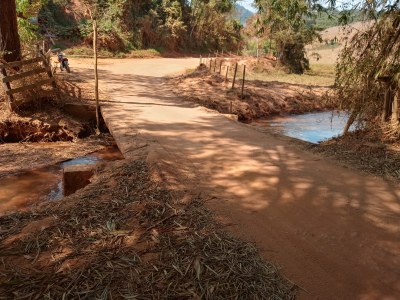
[335,232]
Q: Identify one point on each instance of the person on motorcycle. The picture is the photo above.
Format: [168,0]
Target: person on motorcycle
[60,57]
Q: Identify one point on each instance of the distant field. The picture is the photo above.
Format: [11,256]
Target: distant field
[329,53]
[320,75]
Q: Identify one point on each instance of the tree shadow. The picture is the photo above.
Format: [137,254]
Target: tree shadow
[334,231]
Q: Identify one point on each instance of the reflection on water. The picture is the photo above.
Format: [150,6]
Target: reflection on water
[312,127]
[18,192]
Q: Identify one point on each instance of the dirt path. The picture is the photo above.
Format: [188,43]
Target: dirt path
[335,232]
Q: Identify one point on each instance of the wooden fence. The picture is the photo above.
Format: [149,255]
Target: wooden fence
[19,73]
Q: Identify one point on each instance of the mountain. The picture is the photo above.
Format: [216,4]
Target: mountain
[243,14]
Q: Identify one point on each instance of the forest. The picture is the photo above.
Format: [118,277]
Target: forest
[126,25]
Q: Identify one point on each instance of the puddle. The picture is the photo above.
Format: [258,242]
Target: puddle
[311,127]
[18,192]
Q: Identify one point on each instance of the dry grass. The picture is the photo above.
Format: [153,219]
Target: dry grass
[364,151]
[128,237]
[320,75]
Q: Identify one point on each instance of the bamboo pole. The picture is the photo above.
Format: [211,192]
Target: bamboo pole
[234,76]
[244,77]
[96,76]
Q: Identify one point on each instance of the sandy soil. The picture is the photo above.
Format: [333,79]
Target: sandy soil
[260,98]
[334,231]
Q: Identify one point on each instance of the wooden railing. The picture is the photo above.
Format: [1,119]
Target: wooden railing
[6,79]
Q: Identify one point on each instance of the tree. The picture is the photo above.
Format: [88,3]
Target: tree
[368,74]
[291,27]
[10,44]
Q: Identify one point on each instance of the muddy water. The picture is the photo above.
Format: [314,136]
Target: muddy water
[19,192]
[311,127]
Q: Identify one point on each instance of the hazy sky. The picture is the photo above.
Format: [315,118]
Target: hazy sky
[247,4]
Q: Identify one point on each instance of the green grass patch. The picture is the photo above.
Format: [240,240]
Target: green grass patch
[85,51]
[319,75]
[147,53]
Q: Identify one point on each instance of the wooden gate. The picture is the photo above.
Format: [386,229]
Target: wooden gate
[6,79]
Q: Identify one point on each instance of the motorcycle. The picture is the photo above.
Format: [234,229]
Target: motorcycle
[64,64]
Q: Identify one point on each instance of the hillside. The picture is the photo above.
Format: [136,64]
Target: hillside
[333,40]
[123,26]
[243,14]
[327,20]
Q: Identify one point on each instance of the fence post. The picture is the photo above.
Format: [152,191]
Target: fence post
[220,68]
[226,75]
[215,65]
[234,76]
[210,64]
[48,69]
[9,97]
[244,76]
[200,59]
[37,49]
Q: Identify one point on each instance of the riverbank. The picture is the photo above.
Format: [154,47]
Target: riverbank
[355,150]
[260,98]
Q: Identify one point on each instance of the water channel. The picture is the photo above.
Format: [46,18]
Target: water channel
[19,192]
[310,127]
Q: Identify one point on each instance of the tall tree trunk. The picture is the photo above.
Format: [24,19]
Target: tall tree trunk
[9,37]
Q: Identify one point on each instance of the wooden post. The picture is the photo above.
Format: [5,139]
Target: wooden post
[96,75]
[210,64]
[215,65]
[48,69]
[200,59]
[7,87]
[244,77]
[395,109]
[220,68]
[44,46]
[37,54]
[234,76]
[226,75]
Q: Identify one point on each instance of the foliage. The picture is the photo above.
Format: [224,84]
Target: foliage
[369,68]
[127,24]
[26,9]
[333,17]
[291,26]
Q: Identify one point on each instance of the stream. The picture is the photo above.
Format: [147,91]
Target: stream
[310,127]
[19,192]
